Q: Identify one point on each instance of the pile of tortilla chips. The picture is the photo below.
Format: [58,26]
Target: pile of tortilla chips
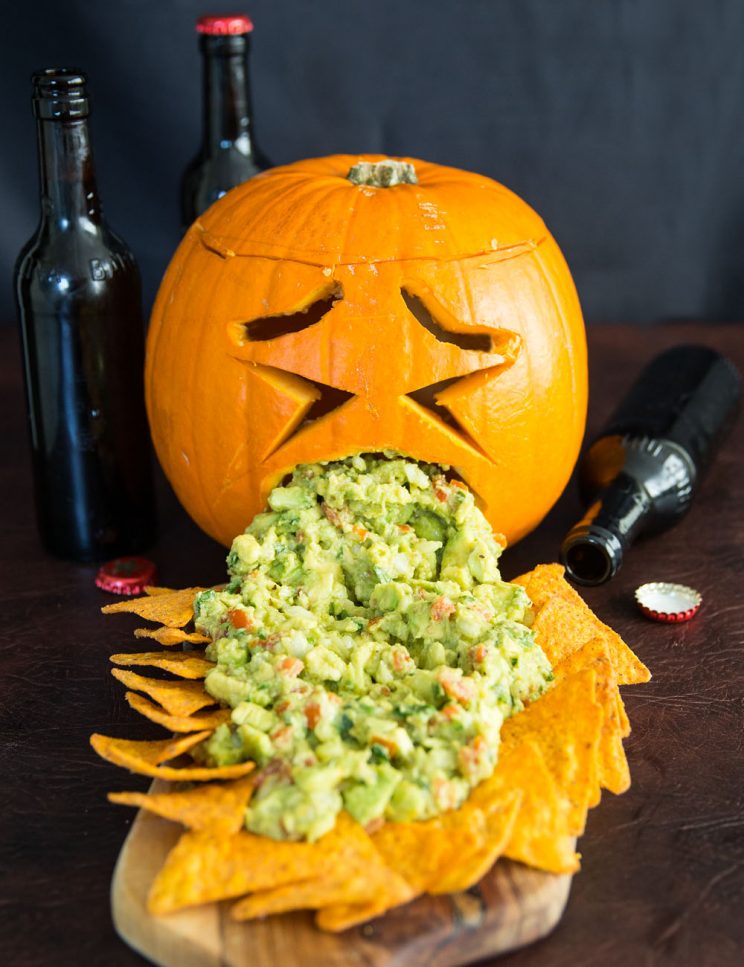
[555,759]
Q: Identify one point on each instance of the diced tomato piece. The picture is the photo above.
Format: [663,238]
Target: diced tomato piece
[282,736]
[239,619]
[471,755]
[462,689]
[400,661]
[290,666]
[374,621]
[374,824]
[282,707]
[458,483]
[450,711]
[445,794]
[361,532]
[312,714]
[385,743]
[441,608]
[479,653]
[271,642]
[405,528]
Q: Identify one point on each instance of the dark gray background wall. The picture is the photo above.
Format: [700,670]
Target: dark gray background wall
[620,121]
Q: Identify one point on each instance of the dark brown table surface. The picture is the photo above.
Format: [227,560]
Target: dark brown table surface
[663,866]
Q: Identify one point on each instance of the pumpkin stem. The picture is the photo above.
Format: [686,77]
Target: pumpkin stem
[383,174]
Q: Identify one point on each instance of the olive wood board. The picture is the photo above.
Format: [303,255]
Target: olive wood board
[510,907]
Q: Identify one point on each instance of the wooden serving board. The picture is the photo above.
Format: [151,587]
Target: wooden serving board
[510,907]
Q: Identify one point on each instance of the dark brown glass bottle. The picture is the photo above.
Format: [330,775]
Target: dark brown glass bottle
[228,155]
[78,297]
[641,473]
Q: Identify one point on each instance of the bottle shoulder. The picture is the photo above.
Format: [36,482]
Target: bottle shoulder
[53,266]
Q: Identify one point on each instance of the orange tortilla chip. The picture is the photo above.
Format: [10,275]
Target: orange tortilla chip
[137,757]
[185,664]
[364,874]
[203,867]
[177,723]
[153,590]
[177,698]
[468,870]
[613,772]
[565,723]
[218,807]
[449,852]
[342,916]
[151,752]
[564,622]
[540,836]
[174,610]
[308,895]
[170,636]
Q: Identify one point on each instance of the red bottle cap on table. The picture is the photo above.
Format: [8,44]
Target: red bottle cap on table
[224,24]
[661,601]
[126,575]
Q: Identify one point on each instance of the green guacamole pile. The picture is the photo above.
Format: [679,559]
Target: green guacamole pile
[367,646]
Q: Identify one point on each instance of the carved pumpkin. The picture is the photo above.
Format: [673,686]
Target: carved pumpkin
[314,312]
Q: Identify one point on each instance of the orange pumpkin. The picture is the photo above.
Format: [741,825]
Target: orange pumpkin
[309,315]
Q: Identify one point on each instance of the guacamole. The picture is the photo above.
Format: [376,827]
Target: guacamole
[367,647]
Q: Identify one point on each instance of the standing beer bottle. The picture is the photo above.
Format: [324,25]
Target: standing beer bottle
[78,297]
[228,155]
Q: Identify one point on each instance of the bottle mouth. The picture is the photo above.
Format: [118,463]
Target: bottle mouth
[60,93]
[591,555]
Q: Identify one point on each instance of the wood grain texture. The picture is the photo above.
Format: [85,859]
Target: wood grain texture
[662,879]
[512,906]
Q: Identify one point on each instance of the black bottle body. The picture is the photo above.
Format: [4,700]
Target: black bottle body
[228,154]
[640,475]
[78,298]
[210,175]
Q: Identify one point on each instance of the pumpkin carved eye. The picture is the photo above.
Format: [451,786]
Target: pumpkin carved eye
[479,342]
[272,327]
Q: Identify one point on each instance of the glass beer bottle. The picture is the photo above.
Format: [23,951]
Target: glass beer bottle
[78,298]
[228,155]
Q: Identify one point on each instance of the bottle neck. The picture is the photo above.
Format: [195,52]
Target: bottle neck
[69,196]
[227,96]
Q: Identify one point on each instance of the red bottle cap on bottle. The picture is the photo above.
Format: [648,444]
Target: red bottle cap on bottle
[662,601]
[224,24]
[126,575]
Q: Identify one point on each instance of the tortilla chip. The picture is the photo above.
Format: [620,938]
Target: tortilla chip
[623,721]
[467,870]
[185,664]
[153,591]
[564,622]
[306,895]
[613,772]
[340,916]
[203,867]
[540,836]
[174,610]
[218,807]
[363,875]
[170,636]
[177,698]
[138,757]
[565,723]
[449,852]
[177,723]
[151,752]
